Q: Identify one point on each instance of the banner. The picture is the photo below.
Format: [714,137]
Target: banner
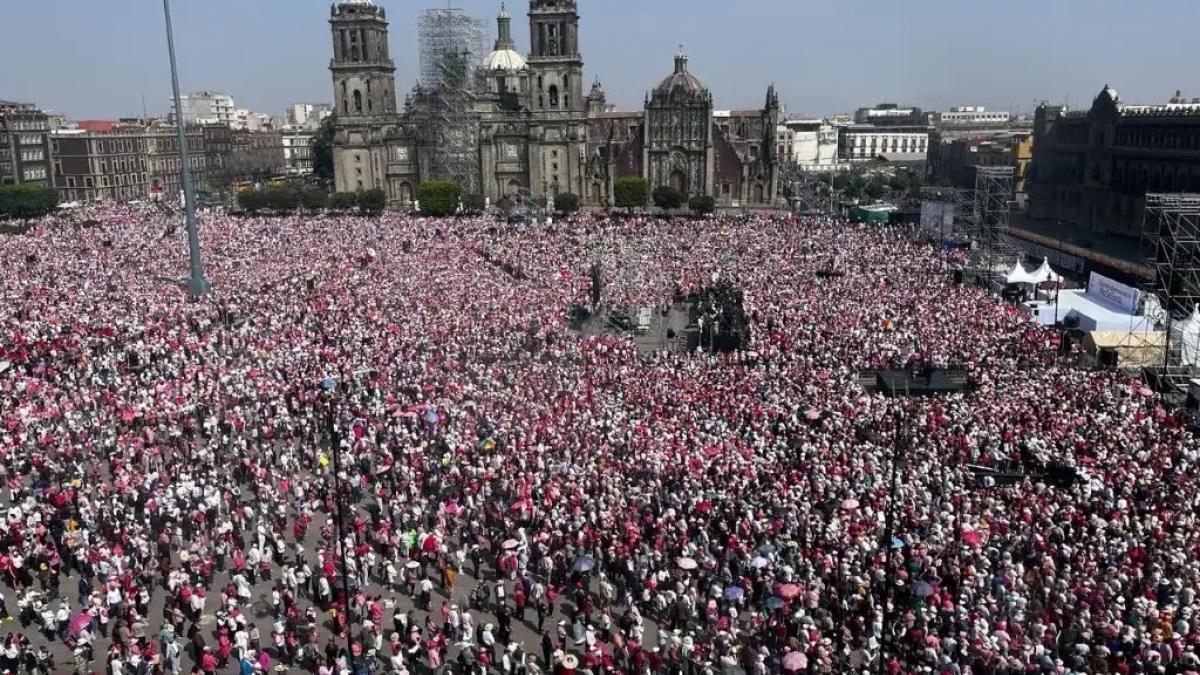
[937,218]
[1113,293]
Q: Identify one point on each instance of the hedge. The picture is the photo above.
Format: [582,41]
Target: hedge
[372,202]
[27,200]
[630,192]
[438,197]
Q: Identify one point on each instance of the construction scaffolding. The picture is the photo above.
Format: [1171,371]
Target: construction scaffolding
[1171,248]
[992,251]
[451,46]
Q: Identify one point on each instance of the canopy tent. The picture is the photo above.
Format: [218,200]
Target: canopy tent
[1134,349]
[1019,275]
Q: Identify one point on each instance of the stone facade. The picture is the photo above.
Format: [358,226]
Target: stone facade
[532,130]
[1092,168]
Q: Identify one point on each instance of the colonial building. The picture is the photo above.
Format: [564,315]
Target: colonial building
[1093,168]
[24,144]
[530,129]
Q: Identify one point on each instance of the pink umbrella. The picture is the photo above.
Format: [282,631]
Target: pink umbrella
[849,504]
[788,591]
[972,537]
[80,621]
[686,563]
[795,661]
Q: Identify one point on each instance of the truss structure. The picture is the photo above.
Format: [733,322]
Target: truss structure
[451,45]
[991,247]
[1171,248]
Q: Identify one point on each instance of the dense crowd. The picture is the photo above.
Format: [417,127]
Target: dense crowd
[175,468]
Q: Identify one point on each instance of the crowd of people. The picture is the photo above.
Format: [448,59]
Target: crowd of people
[376,445]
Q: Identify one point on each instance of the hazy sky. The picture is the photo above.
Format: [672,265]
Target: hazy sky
[98,58]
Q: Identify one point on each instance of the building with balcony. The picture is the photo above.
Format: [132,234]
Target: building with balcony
[1092,168]
[24,144]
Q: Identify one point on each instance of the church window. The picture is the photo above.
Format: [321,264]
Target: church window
[365,44]
[345,105]
[553,96]
[541,101]
[539,82]
[357,101]
[369,106]
[354,52]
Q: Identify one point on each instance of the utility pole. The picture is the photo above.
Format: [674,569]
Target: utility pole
[197,284]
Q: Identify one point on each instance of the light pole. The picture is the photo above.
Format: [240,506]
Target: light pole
[335,443]
[197,284]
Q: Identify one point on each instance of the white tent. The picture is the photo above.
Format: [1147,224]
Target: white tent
[1043,274]
[1187,333]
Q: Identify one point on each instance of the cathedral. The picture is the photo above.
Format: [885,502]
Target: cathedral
[529,127]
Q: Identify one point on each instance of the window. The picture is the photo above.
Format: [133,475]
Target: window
[553,96]
[357,101]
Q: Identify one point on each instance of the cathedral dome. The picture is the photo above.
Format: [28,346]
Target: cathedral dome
[680,80]
[504,59]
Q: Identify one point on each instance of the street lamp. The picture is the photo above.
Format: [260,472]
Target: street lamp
[197,284]
[335,443]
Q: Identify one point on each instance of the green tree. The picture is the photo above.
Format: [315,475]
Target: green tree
[343,201]
[438,197]
[321,147]
[473,202]
[566,203]
[253,201]
[667,198]
[281,199]
[702,205]
[314,200]
[630,192]
[27,200]
[876,188]
[372,202]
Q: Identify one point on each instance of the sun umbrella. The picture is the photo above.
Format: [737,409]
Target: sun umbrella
[788,591]
[431,416]
[570,662]
[813,415]
[686,563]
[583,563]
[922,589]
[775,602]
[412,564]
[510,544]
[734,593]
[766,549]
[795,661]
[897,543]
[759,562]
[328,384]
[80,621]
[972,537]
[849,504]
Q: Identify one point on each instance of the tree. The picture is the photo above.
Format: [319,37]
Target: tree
[667,198]
[438,197]
[702,205]
[876,188]
[372,202]
[343,201]
[314,200]
[321,148]
[566,203]
[281,199]
[474,202]
[252,201]
[27,200]
[630,192]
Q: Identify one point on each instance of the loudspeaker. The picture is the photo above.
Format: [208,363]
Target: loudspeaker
[958,277]
[1108,357]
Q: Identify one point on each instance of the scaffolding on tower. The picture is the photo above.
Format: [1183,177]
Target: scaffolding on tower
[451,45]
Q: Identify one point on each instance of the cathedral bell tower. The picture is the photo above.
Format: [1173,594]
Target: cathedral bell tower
[364,81]
[364,92]
[555,64]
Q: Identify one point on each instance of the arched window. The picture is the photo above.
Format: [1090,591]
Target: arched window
[553,96]
[346,105]
[354,52]
[357,101]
